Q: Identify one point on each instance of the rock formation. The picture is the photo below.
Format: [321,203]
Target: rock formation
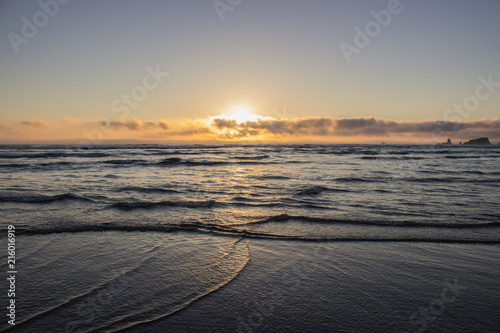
[480,141]
[447,142]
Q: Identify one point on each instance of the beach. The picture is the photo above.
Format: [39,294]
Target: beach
[152,282]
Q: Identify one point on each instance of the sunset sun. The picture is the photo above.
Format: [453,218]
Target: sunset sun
[242,113]
[238,122]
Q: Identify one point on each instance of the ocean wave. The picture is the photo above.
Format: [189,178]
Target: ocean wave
[174,152]
[42,198]
[192,226]
[15,165]
[263,204]
[435,180]
[33,155]
[396,152]
[483,180]
[176,161]
[256,157]
[232,231]
[244,199]
[55,155]
[404,158]
[393,158]
[132,205]
[312,190]
[276,177]
[44,166]
[383,223]
[146,189]
[55,163]
[205,163]
[111,176]
[369,152]
[170,160]
[121,162]
[465,156]
[357,179]
[315,190]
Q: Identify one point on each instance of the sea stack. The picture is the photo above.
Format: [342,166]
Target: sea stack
[480,141]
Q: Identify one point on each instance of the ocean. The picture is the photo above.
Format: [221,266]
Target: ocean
[253,238]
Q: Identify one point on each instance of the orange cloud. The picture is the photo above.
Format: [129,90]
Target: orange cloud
[323,129]
[36,123]
[66,120]
[135,124]
[349,127]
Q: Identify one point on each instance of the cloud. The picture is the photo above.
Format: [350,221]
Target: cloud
[324,129]
[66,120]
[224,123]
[36,123]
[299,126]
[348,127]
[135,124]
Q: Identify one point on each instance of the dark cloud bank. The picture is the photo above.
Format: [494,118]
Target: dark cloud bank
[326,126]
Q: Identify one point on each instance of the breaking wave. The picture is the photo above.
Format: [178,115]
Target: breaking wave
[244,230]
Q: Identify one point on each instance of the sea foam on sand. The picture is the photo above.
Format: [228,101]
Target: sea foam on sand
[181,282]
[352,287]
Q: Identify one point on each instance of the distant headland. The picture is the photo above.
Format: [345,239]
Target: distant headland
[475,142]
[480,141]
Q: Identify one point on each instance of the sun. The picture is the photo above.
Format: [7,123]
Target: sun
[241,113]
[237,123]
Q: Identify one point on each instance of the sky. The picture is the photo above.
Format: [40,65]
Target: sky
[253,70]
